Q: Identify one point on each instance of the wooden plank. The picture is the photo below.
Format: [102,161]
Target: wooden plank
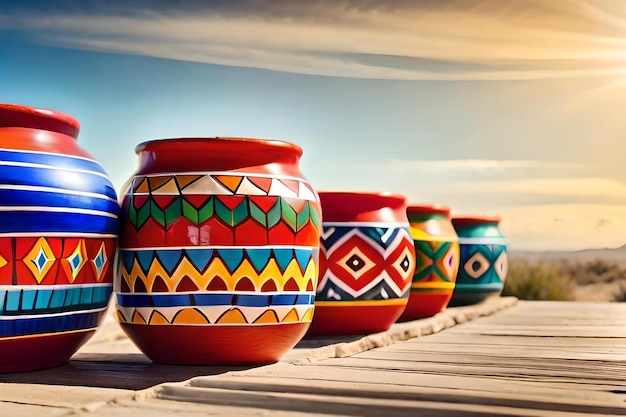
[112,372]
[16,409]
[537,359]
[55,396]
[321,374]
[350,405]
[163,408]
[570,330]
[604,369]
[464,364]
[504,351]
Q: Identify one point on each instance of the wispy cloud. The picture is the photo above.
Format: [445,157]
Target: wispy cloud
[539,190]
[445,40]
[477,165]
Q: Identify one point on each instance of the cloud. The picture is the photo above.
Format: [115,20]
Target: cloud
[588,189]
[429,40]
[476,165]
[496,194]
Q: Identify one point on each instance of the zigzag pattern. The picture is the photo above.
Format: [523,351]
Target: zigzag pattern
[365,263]
[223,184]
[230,210]
[228,269]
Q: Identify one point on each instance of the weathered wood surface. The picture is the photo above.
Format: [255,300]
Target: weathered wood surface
[534,359]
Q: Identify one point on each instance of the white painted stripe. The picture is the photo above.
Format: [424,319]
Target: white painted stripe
[52,167]
[13,187]
[58,234]
[365,224]
[65,313]
[482,240]
[228,173]
[221,247]
[48,209]
[82,158]
[52,287]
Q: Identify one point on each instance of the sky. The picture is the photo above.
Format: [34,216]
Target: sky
[514,107]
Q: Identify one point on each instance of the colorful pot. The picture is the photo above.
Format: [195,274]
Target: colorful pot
[218,251]
[484,262]
[366,263]
[58,230]
[437,261]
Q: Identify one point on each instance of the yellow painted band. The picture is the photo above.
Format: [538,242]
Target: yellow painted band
[370,303]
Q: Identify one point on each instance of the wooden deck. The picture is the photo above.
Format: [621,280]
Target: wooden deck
[500,358]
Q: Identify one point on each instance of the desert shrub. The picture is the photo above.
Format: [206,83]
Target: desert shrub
[620,295]
[538,282]
[593,272]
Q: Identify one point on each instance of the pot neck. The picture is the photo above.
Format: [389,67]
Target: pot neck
[363,206]
[420,213]
[19,116]
[219,154]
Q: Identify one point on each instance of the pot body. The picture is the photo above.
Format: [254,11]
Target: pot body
[484,263]
[436,261]
[58,230]
[218,251]
[367,260]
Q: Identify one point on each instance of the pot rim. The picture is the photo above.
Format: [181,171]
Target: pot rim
[20,115]
[219,139]
[430,208]
[359,194]
[477,218]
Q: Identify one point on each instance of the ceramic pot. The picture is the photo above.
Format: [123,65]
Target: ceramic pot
[366,263]
[218,251]
[437,261]
[58,229]
[484,263]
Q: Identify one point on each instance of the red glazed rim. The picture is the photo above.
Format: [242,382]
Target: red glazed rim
[219,153]
[17,115]
[346,206]
[428,209]
[383,197]
[471,219]
[217,141]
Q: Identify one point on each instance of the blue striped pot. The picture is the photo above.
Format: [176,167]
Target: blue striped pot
[58,231]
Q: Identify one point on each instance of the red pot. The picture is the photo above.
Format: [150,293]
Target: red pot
[218,251]
[437,261]
[366,263]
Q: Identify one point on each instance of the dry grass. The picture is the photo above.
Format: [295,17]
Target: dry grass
[594,280]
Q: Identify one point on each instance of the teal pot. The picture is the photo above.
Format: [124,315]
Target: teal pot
[484,262]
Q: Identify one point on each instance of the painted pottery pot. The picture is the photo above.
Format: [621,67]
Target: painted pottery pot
[437,261]
[219,251]
[367,261]
[58,230]
[484,264]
